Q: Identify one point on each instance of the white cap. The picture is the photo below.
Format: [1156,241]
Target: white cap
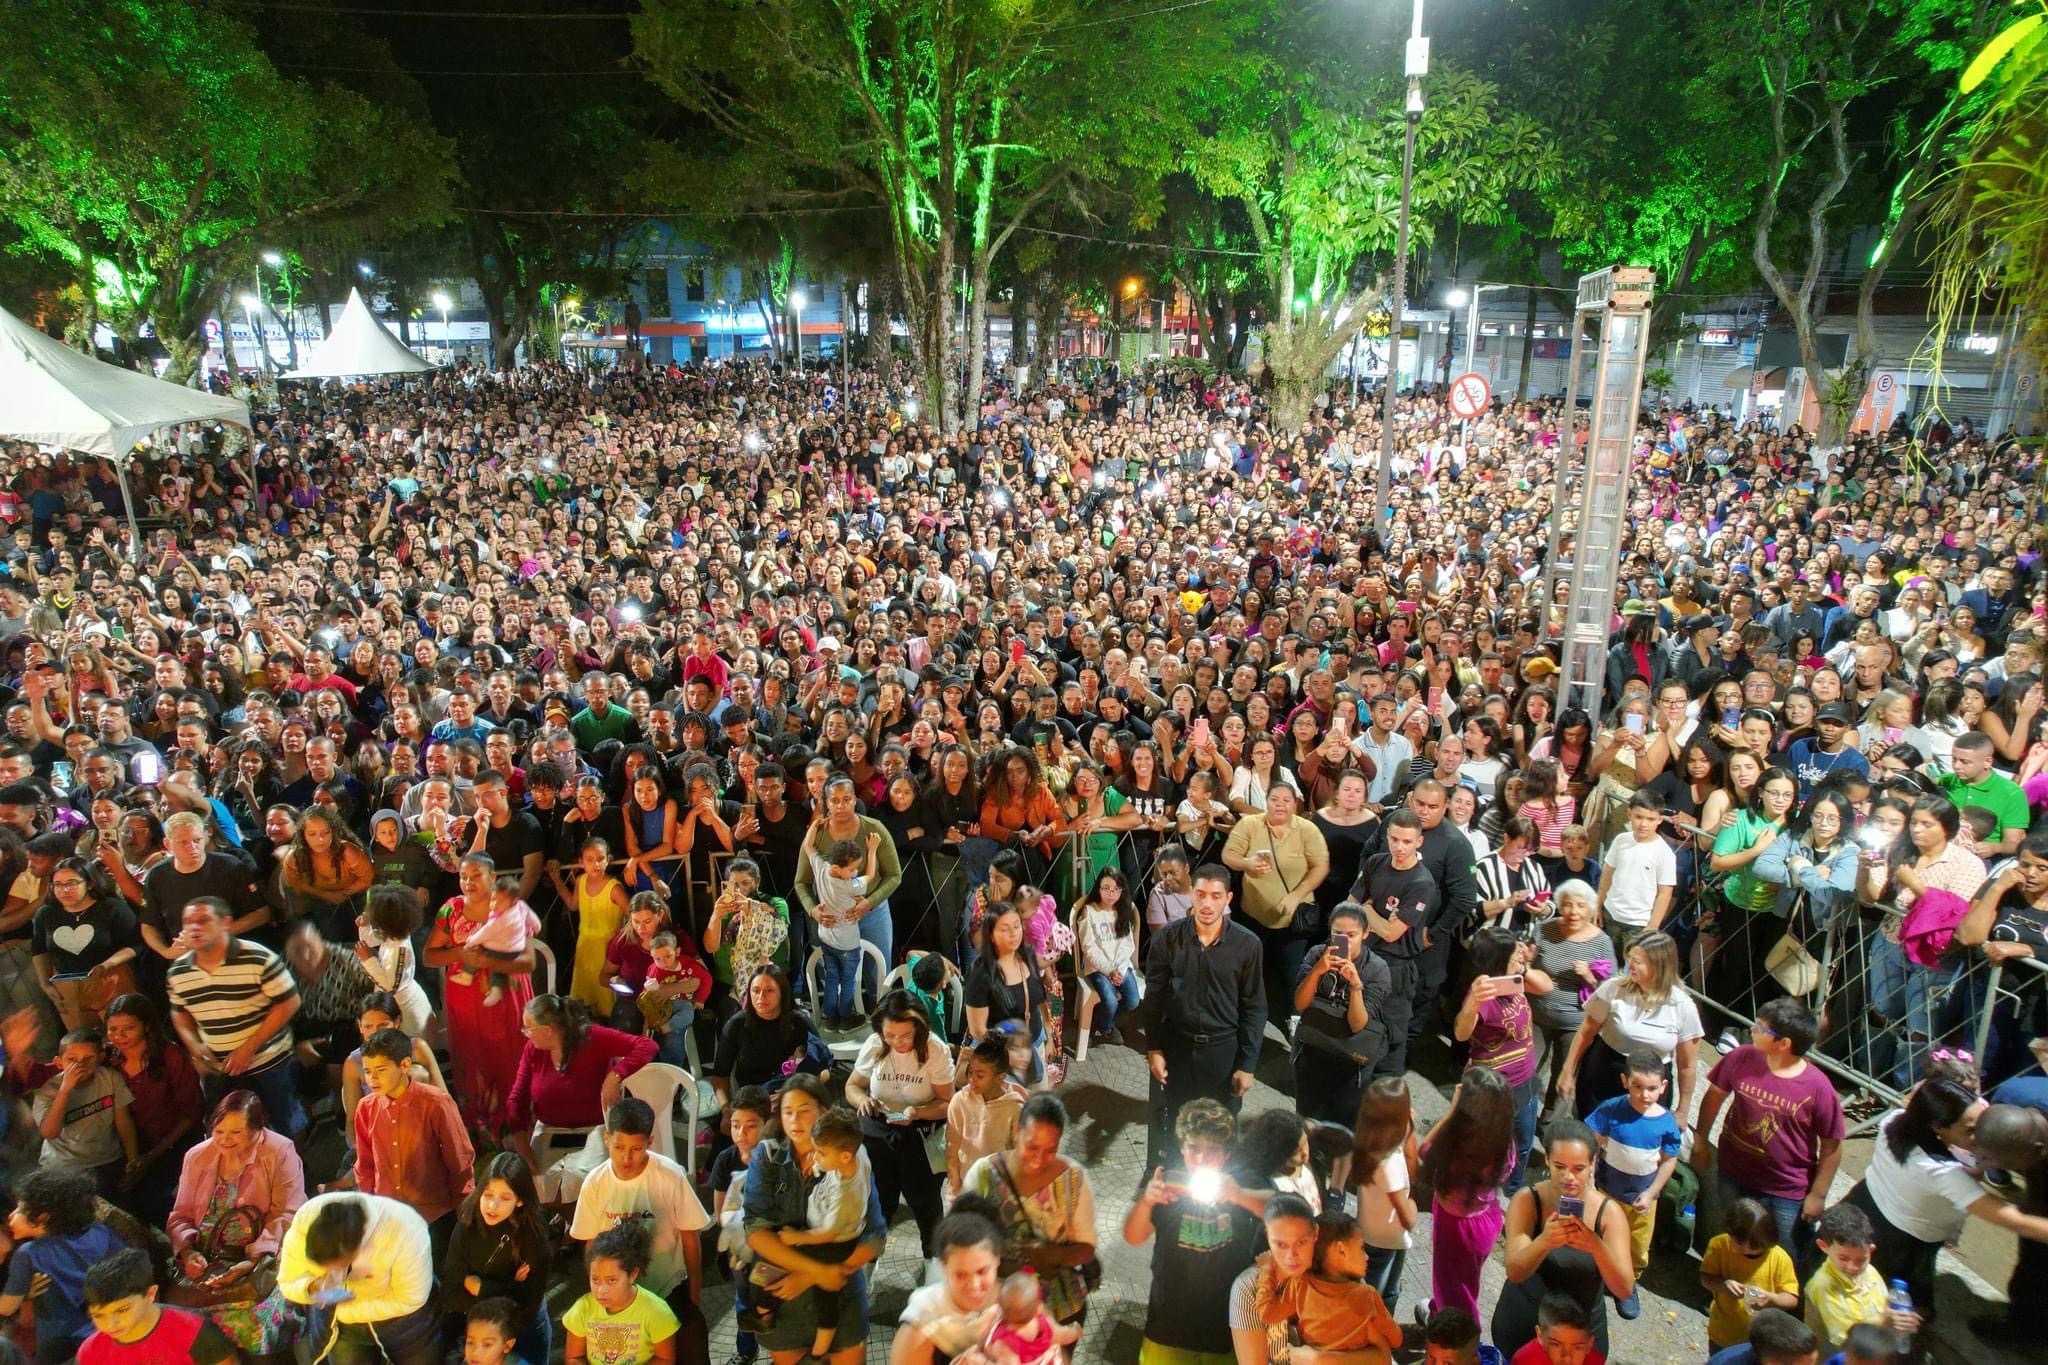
[828,642]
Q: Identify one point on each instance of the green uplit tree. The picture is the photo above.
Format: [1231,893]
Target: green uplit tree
[1304,135]
[155,150]
[956,121]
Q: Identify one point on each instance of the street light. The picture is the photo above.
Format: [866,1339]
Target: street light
[1416,66]
[250,305]
[796,302]
[272,259]
[366,268]
[441,302]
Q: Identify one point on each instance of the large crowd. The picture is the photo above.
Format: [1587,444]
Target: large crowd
[472,781]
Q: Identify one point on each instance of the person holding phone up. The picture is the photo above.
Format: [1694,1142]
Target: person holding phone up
[1340,998]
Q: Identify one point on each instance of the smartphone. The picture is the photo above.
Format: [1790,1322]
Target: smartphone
[1570,1207]
[1436,697]
[1507,985]
[1634,723]
[1731,716]
[1893,734]
[1198,733]
[747,810]
[1539,898]
[147,768]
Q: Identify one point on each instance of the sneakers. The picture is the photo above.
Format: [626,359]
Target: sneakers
[1728,1041]
[1110,1037]
[1631,1307]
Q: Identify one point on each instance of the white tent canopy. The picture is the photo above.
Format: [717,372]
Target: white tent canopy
[358,344]
[56,396]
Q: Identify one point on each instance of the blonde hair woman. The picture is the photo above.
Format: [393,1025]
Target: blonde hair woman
[1643,1006]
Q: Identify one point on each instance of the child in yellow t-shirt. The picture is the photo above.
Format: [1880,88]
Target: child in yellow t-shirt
[1746,1270]
[1847,1289]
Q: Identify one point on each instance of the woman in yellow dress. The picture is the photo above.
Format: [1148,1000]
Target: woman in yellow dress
[600,910]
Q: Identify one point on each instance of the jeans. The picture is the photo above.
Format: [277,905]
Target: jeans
[838,979]
[1383,1266]
[876,928]
[537,1340]
[277,1085]
[1528,1099]
[1115,999]
[1794,1232]
[672,1044]
[1902,991]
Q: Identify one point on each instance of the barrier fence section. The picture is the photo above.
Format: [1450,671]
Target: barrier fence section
[1882,1013]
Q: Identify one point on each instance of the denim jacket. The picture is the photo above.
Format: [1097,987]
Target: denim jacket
[777,1194]
[1828,883]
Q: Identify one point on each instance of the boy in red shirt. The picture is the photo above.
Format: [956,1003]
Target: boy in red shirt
[134,1329]
[1564,1335]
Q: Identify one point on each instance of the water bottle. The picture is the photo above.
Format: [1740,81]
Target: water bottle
[1900,1299]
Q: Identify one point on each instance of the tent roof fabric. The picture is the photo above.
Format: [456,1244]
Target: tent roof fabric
[359,344]
[56,396]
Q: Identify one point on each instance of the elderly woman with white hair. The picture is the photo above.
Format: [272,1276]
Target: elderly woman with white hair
[1573,956]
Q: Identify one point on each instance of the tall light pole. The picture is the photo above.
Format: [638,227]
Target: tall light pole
[1416,67]
[441,303]
[250,307]
[796,303]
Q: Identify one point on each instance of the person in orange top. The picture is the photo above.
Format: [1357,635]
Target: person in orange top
[410,1141]
[1019,806]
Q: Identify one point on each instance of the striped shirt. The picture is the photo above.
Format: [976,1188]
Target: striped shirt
[230,1002]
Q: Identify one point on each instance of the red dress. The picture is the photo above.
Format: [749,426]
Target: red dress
[484,1043]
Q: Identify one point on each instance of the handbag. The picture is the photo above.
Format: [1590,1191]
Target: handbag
[1088,1274]
[112,983]
[223,1243]
[935,1147]
[1792,966]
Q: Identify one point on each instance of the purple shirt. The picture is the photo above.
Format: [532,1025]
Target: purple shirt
[1503,1038]
[1774,1125]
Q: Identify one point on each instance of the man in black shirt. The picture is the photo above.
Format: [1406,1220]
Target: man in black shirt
[187,875]
[1401,900]
[1205,1003]
[512,837]
[1447,853]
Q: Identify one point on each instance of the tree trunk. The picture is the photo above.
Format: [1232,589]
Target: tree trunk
[186,353]
[1023,303]
[881,308]
[977,341]
[930,314]
[1528,350]
[1052,317]
[86,321]
[1241,340]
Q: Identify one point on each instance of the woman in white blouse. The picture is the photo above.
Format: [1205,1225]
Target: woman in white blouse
[1260,772]
[1643,1006]
[1921,1188]
[901,1083]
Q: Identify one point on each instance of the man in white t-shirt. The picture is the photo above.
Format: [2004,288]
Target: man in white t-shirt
[638,1185]
[1639,875]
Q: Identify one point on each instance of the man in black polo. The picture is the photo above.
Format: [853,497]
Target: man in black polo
[1205,1008]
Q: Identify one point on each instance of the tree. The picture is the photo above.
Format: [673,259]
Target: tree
[1813,75]
[1991,219]
[1305,137]
[956,120]
[154,143]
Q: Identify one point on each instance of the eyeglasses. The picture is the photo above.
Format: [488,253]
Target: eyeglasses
[69,884]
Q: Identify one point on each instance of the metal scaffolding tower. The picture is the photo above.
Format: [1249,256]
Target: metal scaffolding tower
[1620,296]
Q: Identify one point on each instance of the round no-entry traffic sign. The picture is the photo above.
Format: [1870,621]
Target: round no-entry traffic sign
[1470,393]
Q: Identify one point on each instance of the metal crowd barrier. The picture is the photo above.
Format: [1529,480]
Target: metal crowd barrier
[1881,1014]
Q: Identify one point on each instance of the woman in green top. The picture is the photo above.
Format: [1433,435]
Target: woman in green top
[842,820]
[1096,814]
[1751,925]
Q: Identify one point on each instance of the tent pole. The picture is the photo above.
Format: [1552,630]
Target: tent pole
[128,505]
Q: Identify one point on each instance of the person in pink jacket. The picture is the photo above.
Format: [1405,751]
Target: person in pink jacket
[236,1197]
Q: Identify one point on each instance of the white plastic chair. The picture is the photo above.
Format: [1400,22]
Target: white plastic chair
[658,1083]
[544,964]
[846,1046]
[707,1106]
[952,996]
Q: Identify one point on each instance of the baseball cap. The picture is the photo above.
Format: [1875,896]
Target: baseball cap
[1834,711]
